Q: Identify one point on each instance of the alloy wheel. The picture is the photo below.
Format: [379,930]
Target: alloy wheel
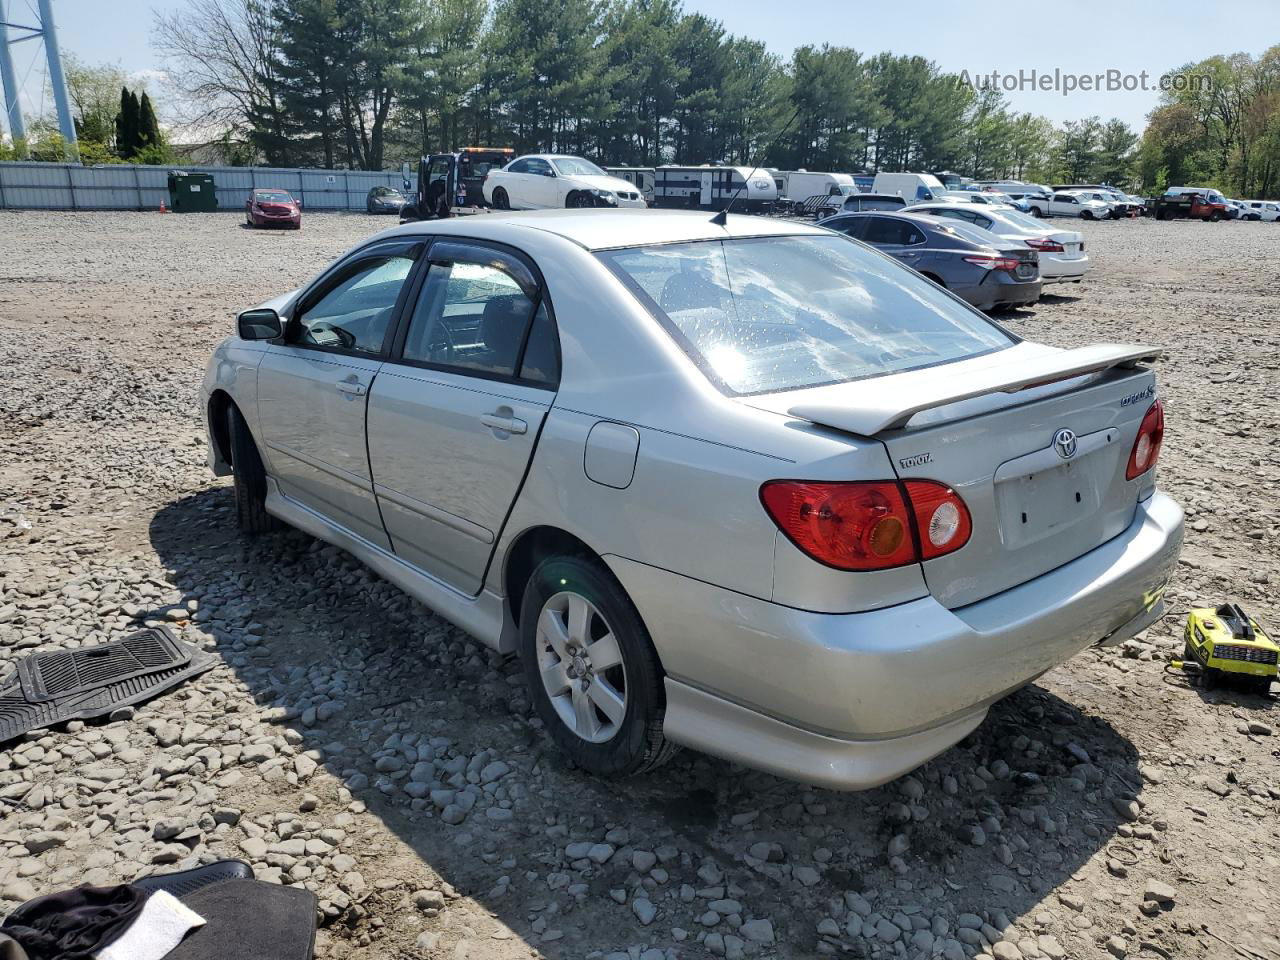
[581,666]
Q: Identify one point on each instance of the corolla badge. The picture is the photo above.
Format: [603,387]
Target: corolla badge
[1064,441]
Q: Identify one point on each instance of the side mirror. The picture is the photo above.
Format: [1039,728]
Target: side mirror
[263,324]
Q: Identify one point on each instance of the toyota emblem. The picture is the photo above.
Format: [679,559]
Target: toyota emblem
[1064,441]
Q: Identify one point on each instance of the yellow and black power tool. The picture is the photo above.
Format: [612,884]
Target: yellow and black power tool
[1225,643]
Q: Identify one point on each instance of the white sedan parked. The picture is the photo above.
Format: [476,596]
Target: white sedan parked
[1265,209]
[548,181]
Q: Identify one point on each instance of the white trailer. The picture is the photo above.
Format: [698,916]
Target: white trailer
[803,184]
[711,188]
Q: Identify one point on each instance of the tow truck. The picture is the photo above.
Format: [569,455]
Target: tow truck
[449,181]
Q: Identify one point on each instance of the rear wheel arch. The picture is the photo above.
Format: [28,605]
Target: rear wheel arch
[930,275]
[528,550]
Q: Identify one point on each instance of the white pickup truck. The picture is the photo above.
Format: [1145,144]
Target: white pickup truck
[1069,204]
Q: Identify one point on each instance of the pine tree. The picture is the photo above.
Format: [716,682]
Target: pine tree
[127,125]
[148,126]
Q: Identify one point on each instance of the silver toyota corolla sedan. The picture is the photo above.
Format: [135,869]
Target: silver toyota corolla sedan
[752,488]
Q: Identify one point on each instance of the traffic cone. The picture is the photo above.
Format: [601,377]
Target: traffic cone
[163,208]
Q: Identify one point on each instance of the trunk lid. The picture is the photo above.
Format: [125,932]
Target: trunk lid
[988,427]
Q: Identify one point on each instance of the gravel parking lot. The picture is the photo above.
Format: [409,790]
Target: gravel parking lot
[352,742]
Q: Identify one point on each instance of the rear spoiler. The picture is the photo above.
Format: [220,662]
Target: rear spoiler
[867,407]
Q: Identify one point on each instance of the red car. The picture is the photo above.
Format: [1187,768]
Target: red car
[272,207]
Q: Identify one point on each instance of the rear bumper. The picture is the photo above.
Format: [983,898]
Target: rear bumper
[1057,270]
[849,701]
[996,291]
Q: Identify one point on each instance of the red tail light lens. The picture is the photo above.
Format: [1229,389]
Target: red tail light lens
[994,263]
[1045,245]
[873,525]
[941,517]
[849,526]
[1146,447]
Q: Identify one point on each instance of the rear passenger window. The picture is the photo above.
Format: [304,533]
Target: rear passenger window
[471,316]
[893,232]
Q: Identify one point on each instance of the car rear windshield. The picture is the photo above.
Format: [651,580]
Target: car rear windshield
[760,315]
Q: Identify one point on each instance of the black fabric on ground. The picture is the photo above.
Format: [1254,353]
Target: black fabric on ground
[250,920]
[73,924]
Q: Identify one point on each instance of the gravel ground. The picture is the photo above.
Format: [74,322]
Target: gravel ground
[352,742]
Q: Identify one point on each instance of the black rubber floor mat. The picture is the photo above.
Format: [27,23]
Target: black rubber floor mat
[18,714]
[250,920]
[61,673]
[186,882]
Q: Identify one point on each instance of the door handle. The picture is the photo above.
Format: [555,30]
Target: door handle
[348,386]
[507,424]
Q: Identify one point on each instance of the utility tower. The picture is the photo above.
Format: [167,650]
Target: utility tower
[48,33]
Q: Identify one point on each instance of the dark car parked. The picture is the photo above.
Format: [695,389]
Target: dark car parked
[983,269]
[856,202]
[384,200]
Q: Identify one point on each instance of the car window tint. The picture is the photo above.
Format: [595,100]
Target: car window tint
[354,314]
[884,230]
[471,316]
[540,167]
[520,166]
[780,313]
[541,362]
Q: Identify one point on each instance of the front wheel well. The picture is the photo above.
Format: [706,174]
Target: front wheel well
[219,403]
[531,548]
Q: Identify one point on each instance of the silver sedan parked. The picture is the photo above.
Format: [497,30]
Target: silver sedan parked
[752,488]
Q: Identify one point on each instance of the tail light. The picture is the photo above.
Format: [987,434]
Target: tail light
[994,263]
[872,525]
[1146,447]
[1045,245]
[941,517]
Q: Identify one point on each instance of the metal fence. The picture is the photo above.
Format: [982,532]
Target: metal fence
[65,186]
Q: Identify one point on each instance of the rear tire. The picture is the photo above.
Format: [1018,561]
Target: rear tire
[500,199]
[585,649]
[250,479]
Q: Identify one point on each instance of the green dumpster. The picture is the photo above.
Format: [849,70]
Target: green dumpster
[191,192]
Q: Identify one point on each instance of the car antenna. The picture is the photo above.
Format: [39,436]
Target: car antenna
[721,219]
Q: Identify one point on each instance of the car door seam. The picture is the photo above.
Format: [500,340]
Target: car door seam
[368,459]
[528,466]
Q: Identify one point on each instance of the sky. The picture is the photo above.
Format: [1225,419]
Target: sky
[1080,39]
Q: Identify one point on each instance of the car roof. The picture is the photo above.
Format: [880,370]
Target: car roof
[596,229]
